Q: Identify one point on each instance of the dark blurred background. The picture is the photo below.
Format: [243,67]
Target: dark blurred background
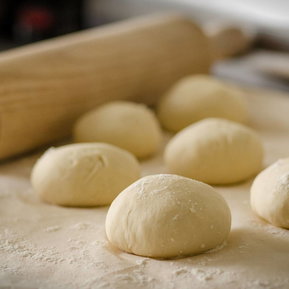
[25,21]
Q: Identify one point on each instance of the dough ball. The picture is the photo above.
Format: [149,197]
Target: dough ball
[270,194]
[166,216]
[197,97]
[128,125]
[215,151]
[84,175]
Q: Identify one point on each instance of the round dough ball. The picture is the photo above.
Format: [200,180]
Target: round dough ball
[128,125]
[84,175]
[197,97]
[270,194]
[215,151]
[165,216]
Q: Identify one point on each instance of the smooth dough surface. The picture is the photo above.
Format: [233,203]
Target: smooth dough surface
[215,151]
[85,175]
[165,216]
[201,96]
[128,125]
[270,194]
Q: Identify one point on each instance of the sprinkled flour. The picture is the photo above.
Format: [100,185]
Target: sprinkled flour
[45,246]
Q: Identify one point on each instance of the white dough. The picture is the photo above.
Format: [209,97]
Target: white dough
[200,96]
[270,194]
[166,216]
[128,125]
[215,151]
[87,175]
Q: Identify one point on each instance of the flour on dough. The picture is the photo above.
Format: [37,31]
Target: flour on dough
[84,175]
[270,194]
[166,216]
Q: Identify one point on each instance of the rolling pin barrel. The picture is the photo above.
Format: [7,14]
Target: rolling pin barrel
[46,86]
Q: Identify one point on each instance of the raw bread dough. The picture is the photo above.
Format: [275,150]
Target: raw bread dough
[89,174]
[44,246]
[270,194]
[166,216]
[200,96]
[215,151]
[128,125]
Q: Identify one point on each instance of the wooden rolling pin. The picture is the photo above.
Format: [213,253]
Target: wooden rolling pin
[46,86]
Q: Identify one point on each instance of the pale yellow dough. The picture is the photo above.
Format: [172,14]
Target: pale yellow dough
[47,247]
[270,194]
[83,175]
[215,151]
[128,125]
[201,96]
[166,216]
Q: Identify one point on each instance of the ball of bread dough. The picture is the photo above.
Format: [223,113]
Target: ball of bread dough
[270,194]
[166,216]
[215,151]
[84,175]
[128,125]
[197,97]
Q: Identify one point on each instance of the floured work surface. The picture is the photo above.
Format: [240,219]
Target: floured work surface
[45,246]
